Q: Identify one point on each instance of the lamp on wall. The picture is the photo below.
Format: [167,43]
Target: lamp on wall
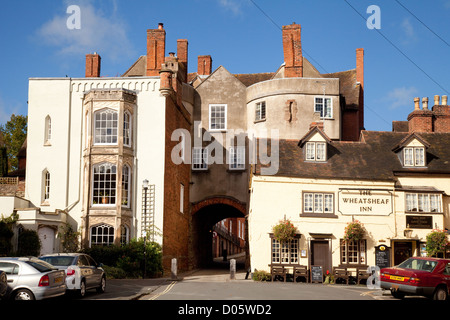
[408,232]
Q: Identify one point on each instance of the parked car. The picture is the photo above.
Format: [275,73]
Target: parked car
[32,279]
[82,272]
[3,284]
[428,277]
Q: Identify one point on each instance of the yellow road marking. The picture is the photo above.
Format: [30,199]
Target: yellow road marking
[169,287]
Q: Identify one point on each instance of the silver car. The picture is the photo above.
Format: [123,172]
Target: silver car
[32,279]
[82,272]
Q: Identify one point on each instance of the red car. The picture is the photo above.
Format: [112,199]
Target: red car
[428,277]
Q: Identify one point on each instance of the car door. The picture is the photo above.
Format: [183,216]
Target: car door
[12,274]
[446,275]
[85,269]
[97,272]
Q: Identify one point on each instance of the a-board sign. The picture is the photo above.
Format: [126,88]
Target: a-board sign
[383,256]
[316,274]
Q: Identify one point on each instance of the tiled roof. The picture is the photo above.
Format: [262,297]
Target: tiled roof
[372,158]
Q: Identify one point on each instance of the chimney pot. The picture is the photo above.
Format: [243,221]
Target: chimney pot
[436,100]
[425,103]
[444,100]
[160,25]
[416,103]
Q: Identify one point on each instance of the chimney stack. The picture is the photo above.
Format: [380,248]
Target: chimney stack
[420,120]
[444,100]
[182,54]
[93,62]
[360,80]
[204,67]
[156,48]
[292,49]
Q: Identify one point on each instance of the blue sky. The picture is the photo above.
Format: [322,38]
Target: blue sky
[238,35]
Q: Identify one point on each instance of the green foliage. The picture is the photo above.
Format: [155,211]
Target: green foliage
[6,234]
[69,238]
[128,259]
[354,231]
[284,231]
[3,161]
[29,243]
[14,134]
[261,276]
[436,242]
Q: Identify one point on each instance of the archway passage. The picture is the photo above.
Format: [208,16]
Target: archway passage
[205,214]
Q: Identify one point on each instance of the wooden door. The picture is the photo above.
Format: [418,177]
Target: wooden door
[320,254]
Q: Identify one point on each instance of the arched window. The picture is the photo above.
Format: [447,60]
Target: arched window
[124,234]
[48,130]
[105,127]
[104,184]
[126,184]
[102,235]
[46,185]
[127,129]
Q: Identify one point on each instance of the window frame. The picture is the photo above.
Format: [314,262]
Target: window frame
[347,246]
[203,165]
[46,185]
[323,205]
[312,147]
[236,158]
[48,130]
[414,205]
[93,189]
[127,128]
[285,252]
[322,114]
[211,107]
[412,159]
[115,136]
[126,186]
[260,111]
[108,236]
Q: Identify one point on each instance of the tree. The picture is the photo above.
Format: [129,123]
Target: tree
[14,134]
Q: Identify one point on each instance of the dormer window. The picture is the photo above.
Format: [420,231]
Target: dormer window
[414,156]
[316,151]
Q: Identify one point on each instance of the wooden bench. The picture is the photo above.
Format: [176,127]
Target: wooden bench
[278,271]
[341,273]
[301,271]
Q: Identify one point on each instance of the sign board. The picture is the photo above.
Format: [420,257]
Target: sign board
[419,222]
[376,202]
[316,274]
[383,256]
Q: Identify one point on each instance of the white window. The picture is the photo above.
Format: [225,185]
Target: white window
[127,129]
[318,202]
[199,158]
[414,156]
[217,117]
[126,183]
[104,184]
[237,158]
[46,177]
[285,252]
[105,127]
[48,130]
[260,111]
[316,151]
[324,107]
[181,198]
[423,202]
[102,235]
[353,252]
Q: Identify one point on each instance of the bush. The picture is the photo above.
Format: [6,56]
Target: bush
[129,258]
[436,242]
[29,243]
[261,276]
[114,272]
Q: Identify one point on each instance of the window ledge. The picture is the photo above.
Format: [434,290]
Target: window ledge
[318,215]
[258,121]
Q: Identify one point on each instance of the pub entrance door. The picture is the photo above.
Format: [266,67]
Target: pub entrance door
[402,251]
[320,254]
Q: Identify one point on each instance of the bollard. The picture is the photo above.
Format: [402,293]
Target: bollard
[233,269]
[174,269]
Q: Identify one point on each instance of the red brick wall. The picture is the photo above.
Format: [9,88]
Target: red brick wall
[156,50]
[93,62]
[204,65]
[292,48]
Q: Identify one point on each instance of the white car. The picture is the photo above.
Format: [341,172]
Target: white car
[82,272]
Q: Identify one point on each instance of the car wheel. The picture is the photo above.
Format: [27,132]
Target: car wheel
[82,291]
[440,294]
[23,294]
[102,287]
[397,295]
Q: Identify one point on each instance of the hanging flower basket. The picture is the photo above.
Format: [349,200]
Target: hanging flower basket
[354,231]
[284,231]
[436,242]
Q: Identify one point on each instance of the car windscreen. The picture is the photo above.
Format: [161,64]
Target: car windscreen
[418,264]
[58,260]
[41,266]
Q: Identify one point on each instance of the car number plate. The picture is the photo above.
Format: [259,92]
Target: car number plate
[396,278]
[58,280]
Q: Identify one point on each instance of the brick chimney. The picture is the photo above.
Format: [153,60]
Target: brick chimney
[204,67]
[360,80]
[441,112]
[420,120]
[156,50]
[292,48]
[182,54]
[93,62]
